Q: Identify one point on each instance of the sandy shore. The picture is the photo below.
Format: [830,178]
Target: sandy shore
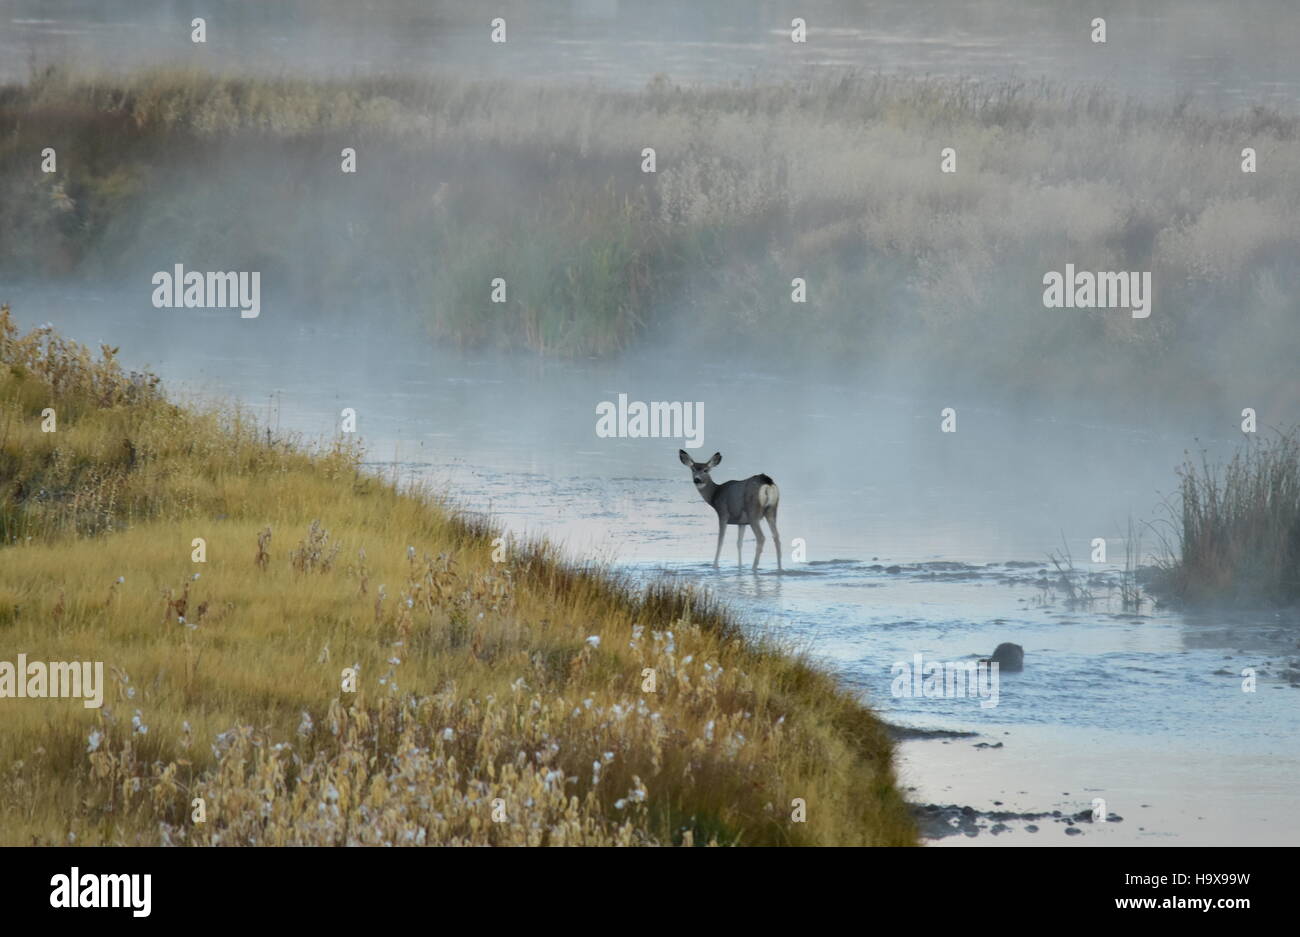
[1155,793]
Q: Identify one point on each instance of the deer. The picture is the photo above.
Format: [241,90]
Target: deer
[743,503]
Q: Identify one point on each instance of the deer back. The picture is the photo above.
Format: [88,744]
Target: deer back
[737,501]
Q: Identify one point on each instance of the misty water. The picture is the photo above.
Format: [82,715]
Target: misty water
[917,541]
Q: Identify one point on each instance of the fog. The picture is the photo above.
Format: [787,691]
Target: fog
[845,394]
[922,406]
[921,300]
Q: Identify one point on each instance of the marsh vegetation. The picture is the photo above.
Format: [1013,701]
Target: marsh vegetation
[834,180]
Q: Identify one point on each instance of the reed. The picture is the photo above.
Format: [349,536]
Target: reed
[1238,527]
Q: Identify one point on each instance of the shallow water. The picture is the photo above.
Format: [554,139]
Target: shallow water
[869,483]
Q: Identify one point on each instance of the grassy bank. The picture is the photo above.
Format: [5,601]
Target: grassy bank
[1238,528]
[516,685]
[836,181]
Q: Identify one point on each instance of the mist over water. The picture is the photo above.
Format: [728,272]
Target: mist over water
[863,467]
[917,541]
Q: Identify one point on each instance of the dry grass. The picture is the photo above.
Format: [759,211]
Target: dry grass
[836,181]
[1238,527]
[513,685]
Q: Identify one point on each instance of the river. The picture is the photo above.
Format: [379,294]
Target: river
[916,542]
[911,540]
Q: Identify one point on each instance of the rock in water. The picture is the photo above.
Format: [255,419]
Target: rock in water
[1008,657]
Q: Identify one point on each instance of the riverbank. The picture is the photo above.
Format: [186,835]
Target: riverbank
[1041,786]
[496,693]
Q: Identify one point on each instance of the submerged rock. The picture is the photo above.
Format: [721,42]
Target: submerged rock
[1008,657]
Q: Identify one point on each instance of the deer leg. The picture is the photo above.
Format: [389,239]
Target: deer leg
[776,537]
[740,537]
[758,535]
[722,529]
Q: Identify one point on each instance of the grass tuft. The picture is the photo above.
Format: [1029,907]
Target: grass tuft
[1238,527]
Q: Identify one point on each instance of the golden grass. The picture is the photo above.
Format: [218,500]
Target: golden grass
[481,688]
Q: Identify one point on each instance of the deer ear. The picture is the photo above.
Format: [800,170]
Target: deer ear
[716,460]
[686,460]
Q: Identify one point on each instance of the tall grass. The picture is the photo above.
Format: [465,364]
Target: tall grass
[487,689]
[833,180]
[1239,527]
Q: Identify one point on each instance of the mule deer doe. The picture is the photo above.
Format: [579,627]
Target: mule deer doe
[737,502]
